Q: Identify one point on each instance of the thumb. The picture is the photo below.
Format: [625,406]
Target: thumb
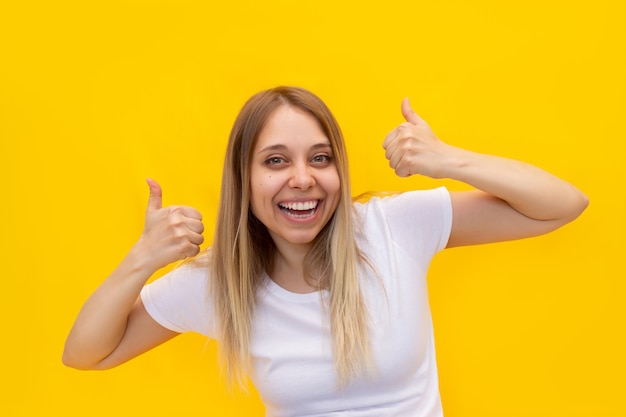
[154,203]
[408,113]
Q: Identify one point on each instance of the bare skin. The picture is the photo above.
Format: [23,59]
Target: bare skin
[113,326]
[512,200]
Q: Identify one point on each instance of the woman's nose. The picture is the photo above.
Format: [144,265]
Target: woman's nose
[302,177]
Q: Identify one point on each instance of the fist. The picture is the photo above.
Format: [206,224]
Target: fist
[170,233]
[412,147]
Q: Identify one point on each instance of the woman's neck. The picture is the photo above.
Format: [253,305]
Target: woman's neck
[288,269]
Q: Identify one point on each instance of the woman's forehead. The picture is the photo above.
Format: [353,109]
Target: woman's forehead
[290,127]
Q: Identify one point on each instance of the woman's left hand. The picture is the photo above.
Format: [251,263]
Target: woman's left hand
[511,199]
[413,148]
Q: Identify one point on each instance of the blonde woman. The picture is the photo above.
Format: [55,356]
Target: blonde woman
[321,301]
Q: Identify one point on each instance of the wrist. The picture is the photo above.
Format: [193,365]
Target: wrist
[141,261]
[453,162]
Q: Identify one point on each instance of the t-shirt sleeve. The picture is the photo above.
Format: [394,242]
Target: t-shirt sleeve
[179,301]
[418,222]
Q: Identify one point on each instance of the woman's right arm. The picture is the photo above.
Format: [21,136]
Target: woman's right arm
[113,326]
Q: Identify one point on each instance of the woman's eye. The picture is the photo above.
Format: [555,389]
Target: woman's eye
[321,159]
[274,160]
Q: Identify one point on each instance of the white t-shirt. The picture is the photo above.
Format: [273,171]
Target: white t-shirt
[291,345]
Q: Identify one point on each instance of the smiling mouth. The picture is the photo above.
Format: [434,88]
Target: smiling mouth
[300,209]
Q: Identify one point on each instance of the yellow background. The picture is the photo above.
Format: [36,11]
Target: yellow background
[97,96]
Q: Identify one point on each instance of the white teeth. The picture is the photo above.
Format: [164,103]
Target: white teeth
[300,206]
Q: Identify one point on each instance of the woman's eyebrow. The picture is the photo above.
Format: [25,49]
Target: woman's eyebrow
[281,147]
[271,148]
[321,146]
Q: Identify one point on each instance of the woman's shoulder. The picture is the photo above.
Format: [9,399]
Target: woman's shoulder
[188,279]
[420,219]
[179,300]
[414,199]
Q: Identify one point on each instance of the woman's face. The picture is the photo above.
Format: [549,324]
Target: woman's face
[294,182]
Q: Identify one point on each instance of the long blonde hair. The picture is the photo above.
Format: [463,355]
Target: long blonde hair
[243,249]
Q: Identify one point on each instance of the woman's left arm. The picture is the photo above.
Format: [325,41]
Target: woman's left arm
[512,199]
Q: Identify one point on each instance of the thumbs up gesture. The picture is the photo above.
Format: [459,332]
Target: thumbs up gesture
[413,148]
[170,233]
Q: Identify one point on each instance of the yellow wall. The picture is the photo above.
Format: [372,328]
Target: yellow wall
[97,96]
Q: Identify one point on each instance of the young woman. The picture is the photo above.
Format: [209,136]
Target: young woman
[321,301]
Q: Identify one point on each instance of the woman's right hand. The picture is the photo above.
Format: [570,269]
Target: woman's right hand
[113,326]
[170,233]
